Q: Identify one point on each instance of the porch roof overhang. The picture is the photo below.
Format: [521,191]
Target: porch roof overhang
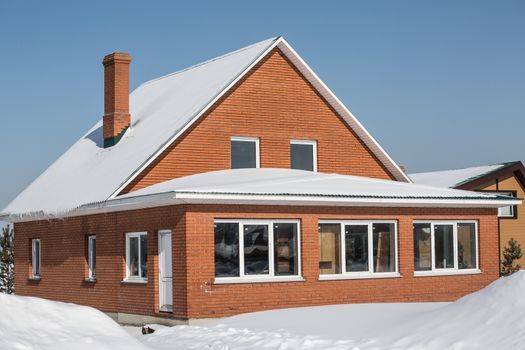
[284,187]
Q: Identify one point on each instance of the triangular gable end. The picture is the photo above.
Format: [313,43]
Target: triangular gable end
[320,87]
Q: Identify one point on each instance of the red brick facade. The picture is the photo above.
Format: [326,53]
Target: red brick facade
[195,295]
[275,103]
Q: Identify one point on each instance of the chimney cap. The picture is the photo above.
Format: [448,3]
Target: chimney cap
[120,57]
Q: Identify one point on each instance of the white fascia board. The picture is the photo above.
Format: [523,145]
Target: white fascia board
[177,198]
[265,199]
[196,117]
[352,121]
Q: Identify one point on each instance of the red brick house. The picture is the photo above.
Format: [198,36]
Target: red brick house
[236,185]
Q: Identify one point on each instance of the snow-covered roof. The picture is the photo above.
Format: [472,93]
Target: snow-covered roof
[455,177]
[161,110]
[271,186]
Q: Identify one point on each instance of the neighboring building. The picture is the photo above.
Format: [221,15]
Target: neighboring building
[505,179]
[237,185]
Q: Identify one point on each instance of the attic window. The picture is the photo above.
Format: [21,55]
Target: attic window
[303,155]
[244,152]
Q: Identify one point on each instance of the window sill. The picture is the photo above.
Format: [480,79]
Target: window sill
[34,278]
[135,281]
[240,280]
[446,273]
[358,276]
[90,280]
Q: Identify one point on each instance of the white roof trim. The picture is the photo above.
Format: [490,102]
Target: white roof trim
[332,99]
[197,117]
[178,198]
[322,88]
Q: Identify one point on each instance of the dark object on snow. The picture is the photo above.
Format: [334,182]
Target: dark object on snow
[147,330]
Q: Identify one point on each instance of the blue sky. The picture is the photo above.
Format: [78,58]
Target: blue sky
[440,84]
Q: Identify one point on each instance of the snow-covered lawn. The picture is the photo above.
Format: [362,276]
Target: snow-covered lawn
[39,324]
[493,318]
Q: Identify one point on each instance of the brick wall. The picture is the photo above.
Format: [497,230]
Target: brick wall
[275,103]
[208,300]
[64,266]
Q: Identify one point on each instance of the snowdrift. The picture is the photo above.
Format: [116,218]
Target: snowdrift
[34,323]
[492,318]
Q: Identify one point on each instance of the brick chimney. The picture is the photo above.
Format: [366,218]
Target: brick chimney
[116,97]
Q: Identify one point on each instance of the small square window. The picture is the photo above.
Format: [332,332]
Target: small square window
[508,211]
[244,152]
[303,155]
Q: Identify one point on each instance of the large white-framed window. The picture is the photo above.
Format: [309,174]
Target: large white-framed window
[443,247]
[303,155]
[357,249]
[36,257]
[248,251]
[137,256]
[244,152]
[92,256]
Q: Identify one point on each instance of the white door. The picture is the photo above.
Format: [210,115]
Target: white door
[165,277]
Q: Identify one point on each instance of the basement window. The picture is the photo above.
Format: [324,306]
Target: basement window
[35,258]
[357,249]
[257,251]
[303,155]
[445,247]
[244,152]
[136,257]
[92,257]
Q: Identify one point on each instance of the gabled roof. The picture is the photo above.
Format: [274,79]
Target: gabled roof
[294,187]
[468,178]
[161,110]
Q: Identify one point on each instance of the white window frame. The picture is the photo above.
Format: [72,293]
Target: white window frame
[509,194]
[270,277]
[129,278]
[36,272]
[361,274]
[306,142]
[91,275]
[248,139]
[455,270]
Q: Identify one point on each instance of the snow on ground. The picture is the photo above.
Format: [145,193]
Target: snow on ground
[34,323]
[493,318]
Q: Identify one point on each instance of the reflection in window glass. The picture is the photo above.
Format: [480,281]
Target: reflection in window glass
[143,256]
[285,246]
[226,249]
[356,245]
[35,263]
[466,246]
[422,247]
[256,260]
[444,241]
[92,256]
[134,256]
[243,154]
[384,247]
[302,156]
[329,248]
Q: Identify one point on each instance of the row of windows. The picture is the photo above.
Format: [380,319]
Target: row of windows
[245,249]
[245,153]
[136,256]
